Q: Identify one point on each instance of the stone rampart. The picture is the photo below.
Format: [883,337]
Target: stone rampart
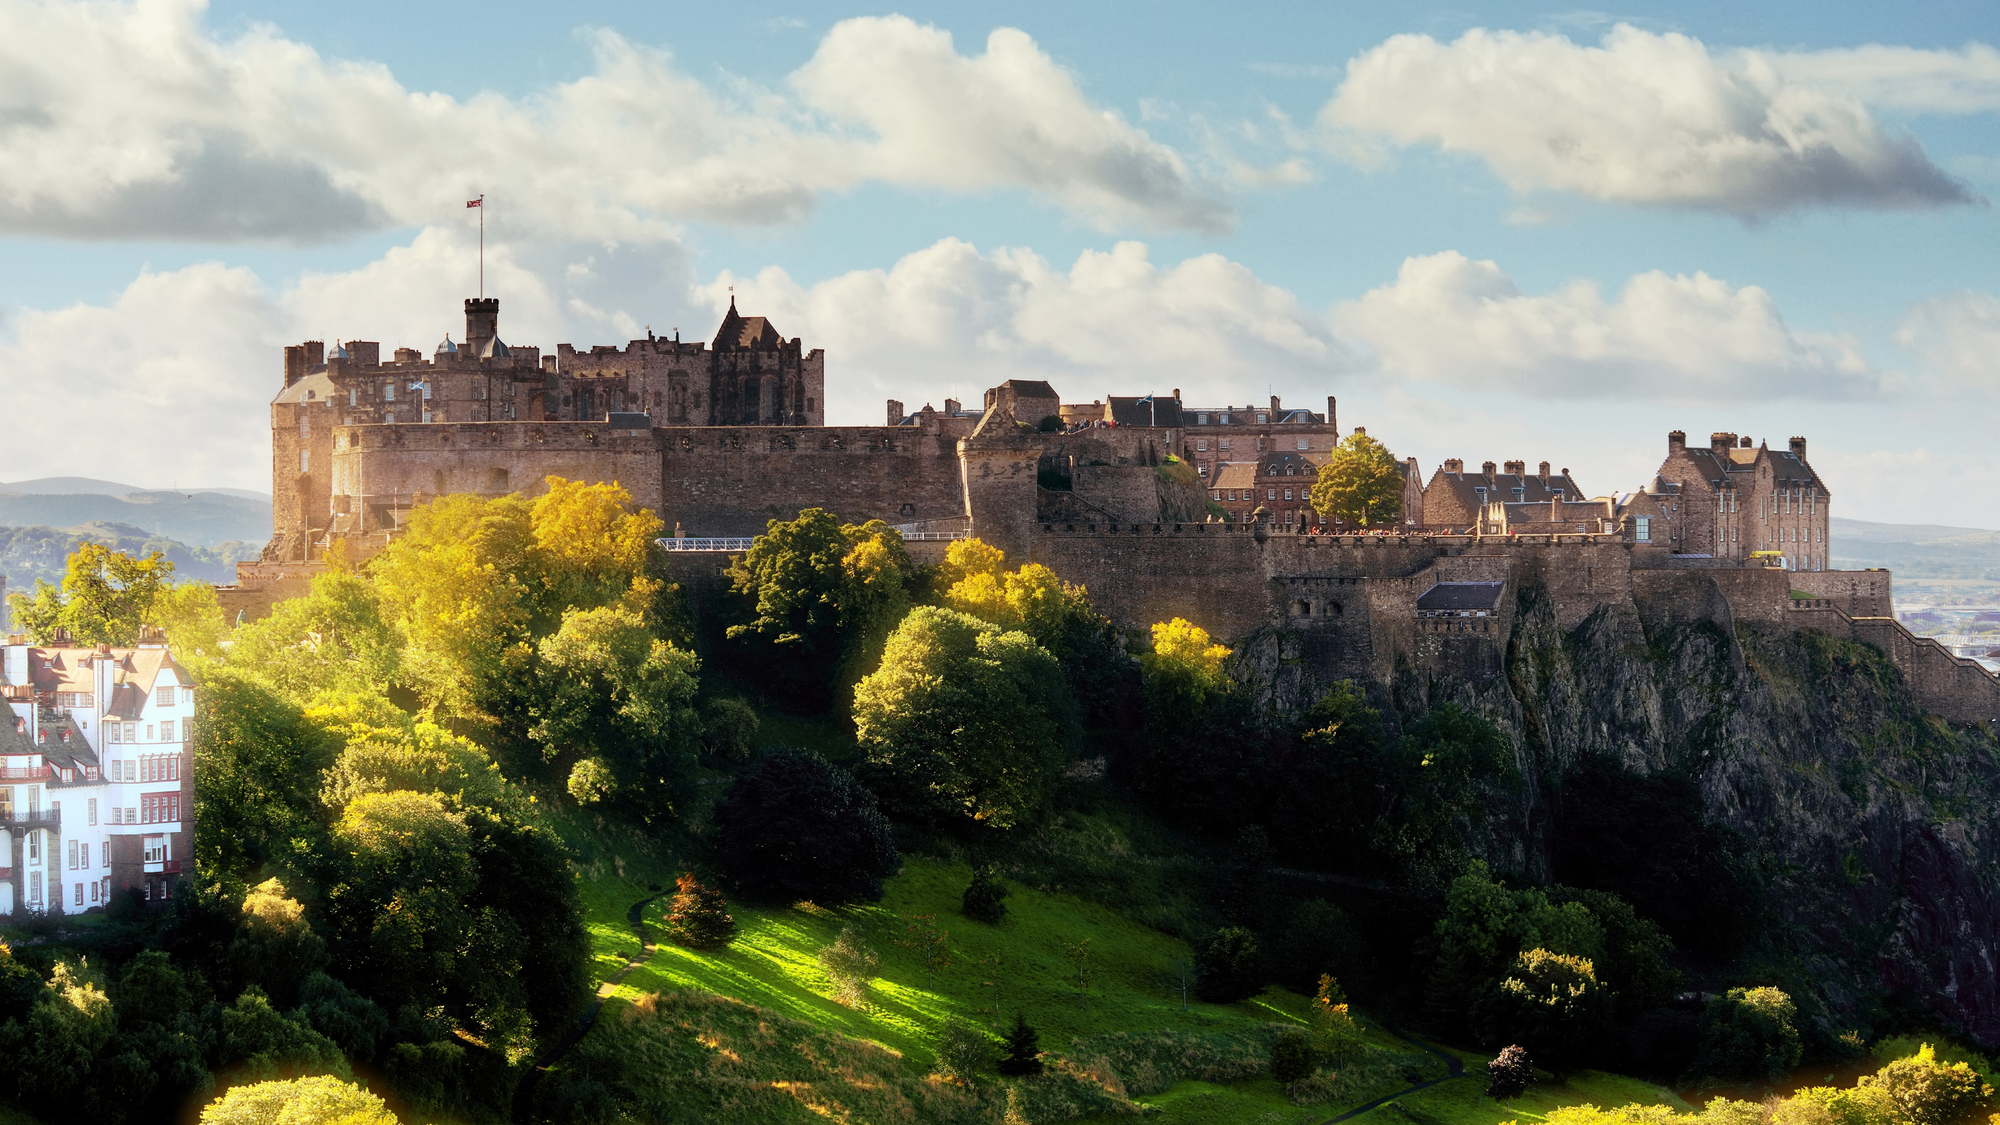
[733,481]
[1951,686]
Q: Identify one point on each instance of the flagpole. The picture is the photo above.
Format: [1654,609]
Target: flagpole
[482,244]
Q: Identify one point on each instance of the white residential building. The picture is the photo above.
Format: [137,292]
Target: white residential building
[96,790]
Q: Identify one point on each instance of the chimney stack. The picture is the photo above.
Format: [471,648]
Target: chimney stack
[295,363]
[1799,448]
[1721,443]
[1454,465]
[1677,440]
[1331,420]
[1545,472]
[896,410]
[1517,468]
[1487,467]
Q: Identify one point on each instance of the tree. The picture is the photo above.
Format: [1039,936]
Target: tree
[192,618]
[1227,966]
[256,1042]
[334,639]
[1336,1033]
[963,720]
[69,1022]
[1509,1074]
[1553,1004]
[1078,956]
[1748,1034]
[613,691]
[697,916]
[1360,484]
[1861,1104]
[590,548]
[822,596]
[257,768]
[1021,1050]
[794,826]
[276,949]
[931,945]
[985,899]
[1035,601]
[1484,929]
[106,596]
[961,1049]
[849,966]
[727,727]
[1291,1059]
[318,1100]
[1928,1092]
[400,908]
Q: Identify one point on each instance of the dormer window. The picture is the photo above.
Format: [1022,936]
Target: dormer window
[1262,418]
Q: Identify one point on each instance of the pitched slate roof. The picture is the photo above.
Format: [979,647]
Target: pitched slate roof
[743,333]
[1235,474]
[1460,595]
[1164,410]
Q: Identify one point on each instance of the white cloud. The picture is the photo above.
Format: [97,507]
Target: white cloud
[1957,335]
[950,320]
[1908,78]
[1643,118]
[128,120]
[1450,319]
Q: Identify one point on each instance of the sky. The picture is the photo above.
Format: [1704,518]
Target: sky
[1493,231]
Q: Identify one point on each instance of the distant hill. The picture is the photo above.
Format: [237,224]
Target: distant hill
[201,519]
[1916,550]
[79,486]
[30,553]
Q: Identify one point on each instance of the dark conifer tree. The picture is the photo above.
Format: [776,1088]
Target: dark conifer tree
[697,917]
[984,899]
[1022,1050]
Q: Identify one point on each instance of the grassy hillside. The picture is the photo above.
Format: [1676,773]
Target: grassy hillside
[202,519]
[752,1034]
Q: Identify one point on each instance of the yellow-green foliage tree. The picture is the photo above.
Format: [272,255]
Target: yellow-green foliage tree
[818,601]
[1928,1092]
[1484,929]
[1719,1111]
[1201,759]
[1057,614]
[1552,1004]
[193,620]
[1748,1033]
[1360,484]
[318,1100]
[106,595]
[614,695]
[965,720]
[1831,1105]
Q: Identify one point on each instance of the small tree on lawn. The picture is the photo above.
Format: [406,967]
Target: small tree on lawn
[1291,1059]
[1079,958]
[849,966]
[992,966]
[1335,1032]
[1023,1048]
[1227,967]
[1509,1074]
[1182,979]
[930,944]
[961,1049]
[984,900]
[697,916]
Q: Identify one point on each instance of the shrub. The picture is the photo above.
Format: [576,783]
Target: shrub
[1827,1105]
[1023,1050]
[1928,1092]
[1336,1035]
[984,900]
[961,1050]
[1509,1074]
[321,1100]
[1291,1059]
[1227,967]
[850,965]
[1553,1003]
[697,916]
[1748,1033]
[727,726]
[795,827]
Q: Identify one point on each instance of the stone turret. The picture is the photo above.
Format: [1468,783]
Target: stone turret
[997,467]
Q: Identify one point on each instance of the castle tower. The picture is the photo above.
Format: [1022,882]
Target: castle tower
[997,468]
[482,323]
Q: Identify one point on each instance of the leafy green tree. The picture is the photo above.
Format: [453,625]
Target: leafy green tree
[424,758]
[1635,962]
[611,690]
[961,1049]
[333,640]
[192,618]
[1022,1050]
[1035,601]
[931,945]
[1336,1033]
[1553,1004]
[1748,1034]
[727,728]
[1929,1092]
[353,1022]
[256,1042]
[1485,927]
[257,767]
[1862,1104]
[399,907]
[850,965]
[1360,483]
[276,949]
[963,720]
[591,549]
[69,1023]
[316,1100]
[1291,1059]
[1228,967]
[106,596]
[821,598]
[794,826]
[697,916]
[985,899]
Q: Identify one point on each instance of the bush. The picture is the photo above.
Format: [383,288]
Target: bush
[849,966]
[961,1050]
[1827,1105]
[1553,1003]
[321,1100]
[1748,1034]
[1509,1074]
[1227,968]
[1291,1059]
[984,900]
[727,726]
[1023,1050]
[697,917]
[795,827]
[1928,1092]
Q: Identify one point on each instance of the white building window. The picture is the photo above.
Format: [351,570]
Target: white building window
[91,809]
[35,887]
[1642,529]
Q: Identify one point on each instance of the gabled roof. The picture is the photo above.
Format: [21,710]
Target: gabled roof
[1162,410]
[1501,486]
[1030,388]
[1460,595]
[1235,474]
[1288,463]
[744,333]
[316,387]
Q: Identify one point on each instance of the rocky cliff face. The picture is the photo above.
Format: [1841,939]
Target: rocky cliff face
[1866,831]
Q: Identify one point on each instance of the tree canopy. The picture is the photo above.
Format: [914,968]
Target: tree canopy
[1360,483]
[106,595]
[794,826]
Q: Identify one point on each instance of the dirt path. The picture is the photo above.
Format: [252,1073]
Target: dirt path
[1451,1063]
[524,1094]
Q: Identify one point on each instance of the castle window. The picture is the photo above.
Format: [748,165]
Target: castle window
[1305,443]
[1201,420]
[305,460]
[1642,529]
[1225,421]
[1222,444]
[1201,446]
[389,391]
[352,395]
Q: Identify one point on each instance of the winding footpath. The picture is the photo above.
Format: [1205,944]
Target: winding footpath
[524,1094]
[1451,1062]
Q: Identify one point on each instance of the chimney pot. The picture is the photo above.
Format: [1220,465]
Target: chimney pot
[1545,472]
[1799,447]
[1487,467]
[1676,440]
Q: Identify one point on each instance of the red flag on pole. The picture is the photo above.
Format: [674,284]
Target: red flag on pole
[475,202]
